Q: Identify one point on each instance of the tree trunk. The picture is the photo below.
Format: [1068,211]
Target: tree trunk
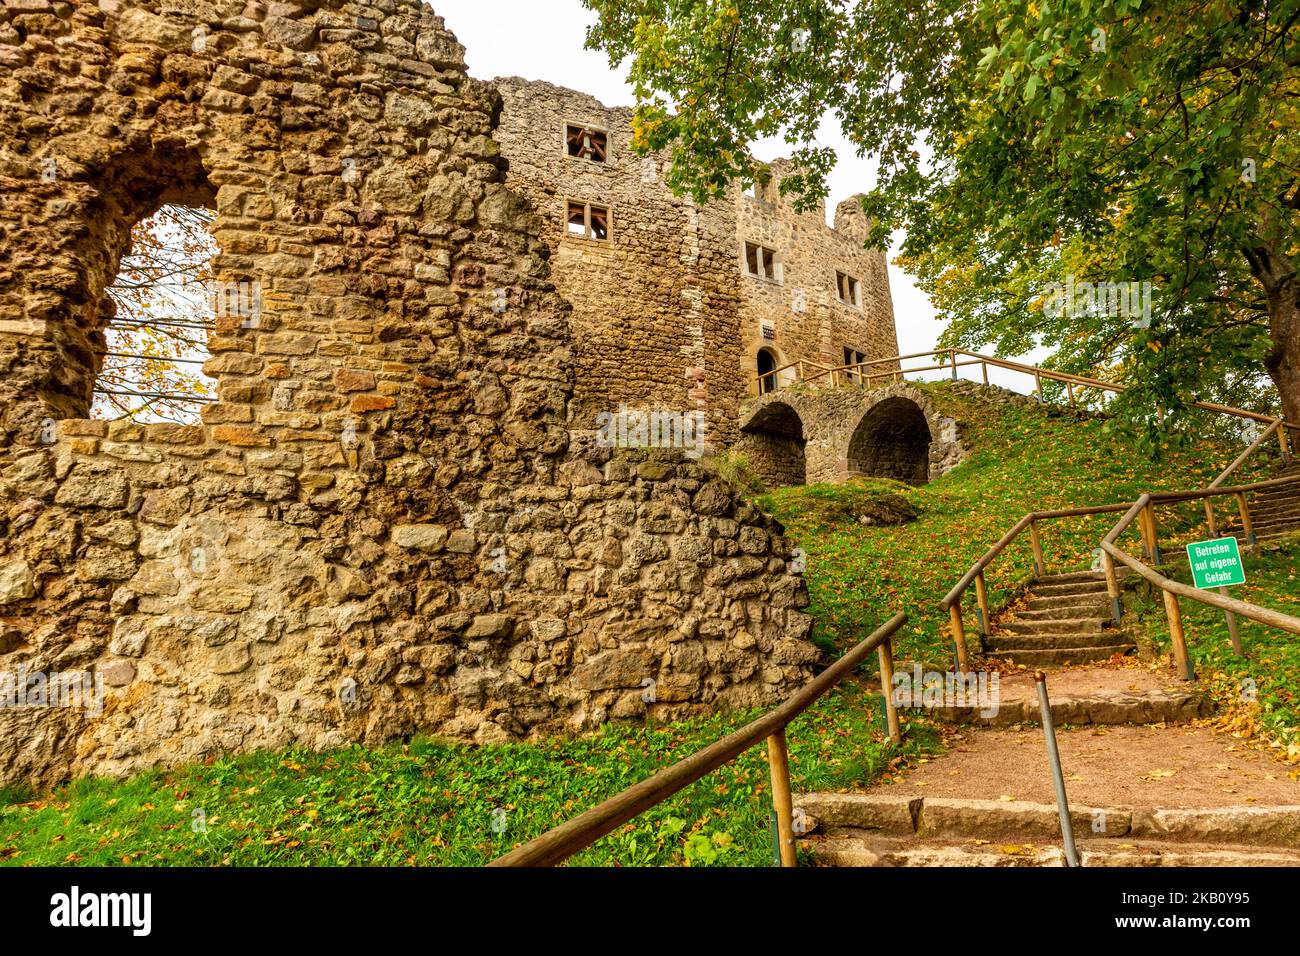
[1278,277]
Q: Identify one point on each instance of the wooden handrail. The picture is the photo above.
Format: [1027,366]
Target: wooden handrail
[952,600]
[1170,589]
[1256,613]
[1007,539]
[561,842]
[1038,372]
[1164,497]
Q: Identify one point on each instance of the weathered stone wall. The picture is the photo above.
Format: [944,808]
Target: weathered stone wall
[655,306]
[382,527]
[664,311]
[809,321]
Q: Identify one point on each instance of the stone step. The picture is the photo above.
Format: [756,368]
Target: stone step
[1280,524]
[1000,644]
[1096,609]
[1070,577]
[1279,493]
[1057,625]
[1070,588]
[1054,602]
[1289,506]
[903,815]
[1292,519]
[880,851]
[1098,707]
[1057,656]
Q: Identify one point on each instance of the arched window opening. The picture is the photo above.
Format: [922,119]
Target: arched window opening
[767,371]
[165,303]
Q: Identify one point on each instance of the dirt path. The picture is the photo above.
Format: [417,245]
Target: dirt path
[1172,766]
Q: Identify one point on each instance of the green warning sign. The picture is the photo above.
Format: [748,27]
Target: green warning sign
[1216,564]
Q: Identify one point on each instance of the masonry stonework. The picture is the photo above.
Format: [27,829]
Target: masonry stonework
[809,435]
[384,525]
[666,311]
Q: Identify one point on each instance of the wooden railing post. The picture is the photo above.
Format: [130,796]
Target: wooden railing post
[1283,443]
[985,366]
[886,653]
[1038,384]
[1209,517]
[1155,535]
[778,760]
[1247,527]
[982,601]
[952,357]
[1175,616]
[959,636]
[1040,566]
[1112,587]
[1150,541]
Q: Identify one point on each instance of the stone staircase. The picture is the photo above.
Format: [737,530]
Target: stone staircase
[875,829]
[1063,619]
[1274,512]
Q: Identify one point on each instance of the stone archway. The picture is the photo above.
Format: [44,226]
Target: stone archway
[774,444]
[892,440]
[840,427]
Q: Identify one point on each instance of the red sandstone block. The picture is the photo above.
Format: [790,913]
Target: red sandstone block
[83,428]
[351,380]
[372,403]
[241,437]
[169,434]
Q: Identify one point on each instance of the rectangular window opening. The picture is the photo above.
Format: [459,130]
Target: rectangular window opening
[847,290]
[166,303]
[761,262]
[585,142]
[588,221]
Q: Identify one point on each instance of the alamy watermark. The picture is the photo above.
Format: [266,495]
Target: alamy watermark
[240,300]
[1129,300]
[656,428]
[79,690]
[929,690]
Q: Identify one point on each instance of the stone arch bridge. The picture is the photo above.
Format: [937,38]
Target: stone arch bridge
[805,436]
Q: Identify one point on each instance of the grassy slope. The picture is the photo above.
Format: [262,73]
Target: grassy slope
[1258,693]
[429,803]
[1026,459]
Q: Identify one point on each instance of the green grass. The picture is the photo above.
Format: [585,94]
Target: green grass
[1259,693]
[431,803]
[1025,459]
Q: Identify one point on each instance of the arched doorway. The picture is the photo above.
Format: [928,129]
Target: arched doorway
[773,443]
[892,441]
[767,366]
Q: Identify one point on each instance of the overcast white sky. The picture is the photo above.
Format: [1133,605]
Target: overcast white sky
[543,40]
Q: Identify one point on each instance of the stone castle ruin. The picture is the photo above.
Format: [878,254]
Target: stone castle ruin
[389,521]
[677,305]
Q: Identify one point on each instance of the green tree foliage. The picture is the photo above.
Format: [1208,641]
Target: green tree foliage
[1019,145]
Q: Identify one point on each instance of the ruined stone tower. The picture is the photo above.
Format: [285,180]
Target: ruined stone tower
[383,526]
[678,305]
